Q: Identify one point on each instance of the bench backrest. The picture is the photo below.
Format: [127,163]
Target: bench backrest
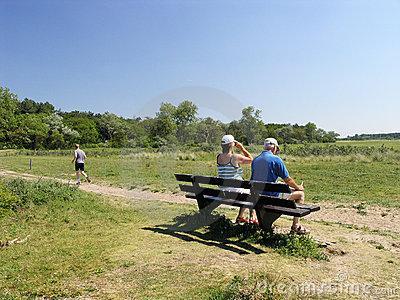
[253,186]
[255,194]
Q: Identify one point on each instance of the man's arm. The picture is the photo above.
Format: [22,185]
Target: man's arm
[73,160]
[290,182]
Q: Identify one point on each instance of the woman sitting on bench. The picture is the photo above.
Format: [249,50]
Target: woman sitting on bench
[228,164]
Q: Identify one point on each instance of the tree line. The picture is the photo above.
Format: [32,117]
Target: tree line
[374,136]
[31,124]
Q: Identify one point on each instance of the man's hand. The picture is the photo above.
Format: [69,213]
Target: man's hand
[300,187]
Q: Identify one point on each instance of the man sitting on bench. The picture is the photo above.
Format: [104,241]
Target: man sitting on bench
[269,167]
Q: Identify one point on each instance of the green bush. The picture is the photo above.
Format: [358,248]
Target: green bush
[8,200]
[38,192]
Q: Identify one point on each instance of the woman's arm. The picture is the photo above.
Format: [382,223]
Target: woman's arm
[246,158]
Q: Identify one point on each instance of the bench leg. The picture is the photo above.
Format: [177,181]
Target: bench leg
[206,206]
[266,219]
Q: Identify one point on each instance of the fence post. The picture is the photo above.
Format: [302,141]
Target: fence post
[30,164]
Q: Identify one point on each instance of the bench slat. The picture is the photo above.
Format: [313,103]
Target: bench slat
[236,183]
[260,200]
[225,201]
[258,186]
[294,212]
[184,177]
[312,208]
[214,192]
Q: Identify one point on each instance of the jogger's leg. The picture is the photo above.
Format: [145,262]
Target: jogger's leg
[84,174]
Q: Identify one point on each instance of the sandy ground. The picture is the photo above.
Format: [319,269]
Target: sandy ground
[373,217]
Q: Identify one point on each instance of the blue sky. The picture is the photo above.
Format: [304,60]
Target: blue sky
[335,63]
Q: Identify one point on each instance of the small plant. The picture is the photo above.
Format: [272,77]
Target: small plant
[361,208]
[253,287]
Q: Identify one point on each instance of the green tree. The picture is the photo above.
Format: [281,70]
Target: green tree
[185,117]
[85,125]
[113,129]
[185,113]
[285,134]
[209,131]
[28,106]
[164,125]
[252,125]
[311,132]
[59,135]
[30,131]
[237,130]
[8,108]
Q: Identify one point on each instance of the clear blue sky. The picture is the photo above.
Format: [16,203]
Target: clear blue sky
[335,63]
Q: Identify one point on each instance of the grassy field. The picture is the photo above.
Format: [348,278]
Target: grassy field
[372,179]
[79,244]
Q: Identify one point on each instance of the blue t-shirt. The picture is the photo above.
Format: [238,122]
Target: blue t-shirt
[268,167]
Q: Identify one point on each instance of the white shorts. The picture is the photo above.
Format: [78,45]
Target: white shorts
[237,190]
[284,196]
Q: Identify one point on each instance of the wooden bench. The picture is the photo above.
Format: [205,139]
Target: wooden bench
[268,208]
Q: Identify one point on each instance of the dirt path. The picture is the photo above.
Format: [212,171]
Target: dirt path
[372,218]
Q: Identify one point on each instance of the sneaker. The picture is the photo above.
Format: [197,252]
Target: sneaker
[88,179]
[78,183]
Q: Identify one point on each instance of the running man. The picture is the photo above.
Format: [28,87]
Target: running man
[79,159]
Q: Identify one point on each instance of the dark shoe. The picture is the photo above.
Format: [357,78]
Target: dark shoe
[88,179]
[299,229]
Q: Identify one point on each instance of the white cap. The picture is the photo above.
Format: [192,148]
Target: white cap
[271,141]
[227,139]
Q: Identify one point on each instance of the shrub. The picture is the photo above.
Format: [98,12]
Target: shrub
[8,200]
[39,192]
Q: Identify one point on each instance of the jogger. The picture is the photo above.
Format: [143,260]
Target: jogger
[79,159]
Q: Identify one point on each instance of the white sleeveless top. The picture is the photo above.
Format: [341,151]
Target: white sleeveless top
[229,171]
